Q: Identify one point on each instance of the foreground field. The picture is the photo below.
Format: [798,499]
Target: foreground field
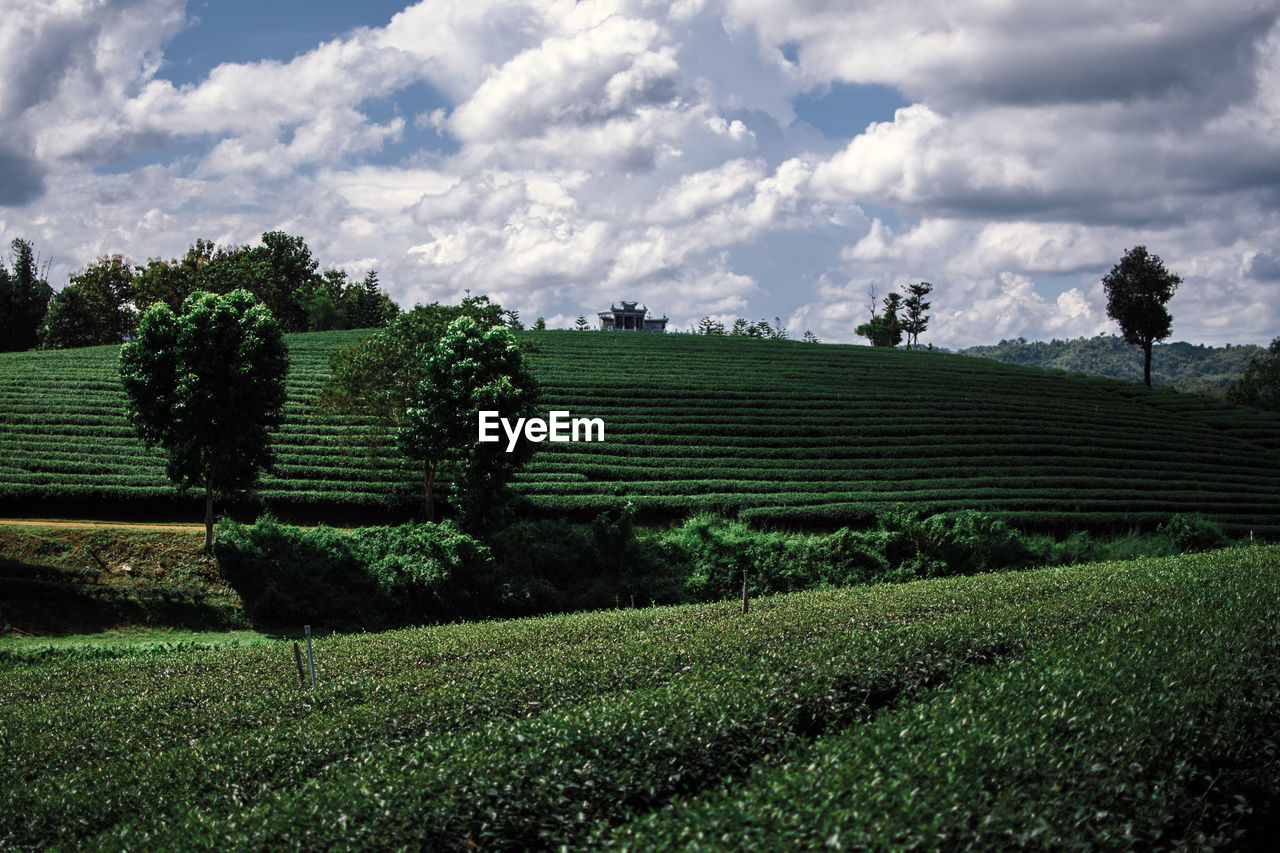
[770,431]
[1109,705]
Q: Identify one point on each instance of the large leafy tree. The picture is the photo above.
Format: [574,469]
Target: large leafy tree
[94,308]
[1137,289]
[378,377]
[24,299]
[471,369]
[281,273]
[1259,385]
[207,385]
[171,282]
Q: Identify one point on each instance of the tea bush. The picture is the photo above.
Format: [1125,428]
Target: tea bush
[1099,705]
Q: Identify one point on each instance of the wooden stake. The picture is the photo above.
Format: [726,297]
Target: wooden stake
[744,592]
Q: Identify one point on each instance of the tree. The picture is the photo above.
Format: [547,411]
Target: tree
[171,282]
[1137,289]
[916,320]
[379,377]
[365,305]
[540,324]
[24,299]
[707,326]
[94,308]
[1259,385]
[884,330]
[580,324]
[810,337]
[740,328]
[206,386]
[471,369]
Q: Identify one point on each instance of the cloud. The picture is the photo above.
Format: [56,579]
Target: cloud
[613,149]
[21,178]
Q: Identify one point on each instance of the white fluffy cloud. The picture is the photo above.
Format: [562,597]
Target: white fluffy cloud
[611,149]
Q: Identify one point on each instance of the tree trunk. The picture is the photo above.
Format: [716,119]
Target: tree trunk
[208,519]
[428,499]
[1146,363]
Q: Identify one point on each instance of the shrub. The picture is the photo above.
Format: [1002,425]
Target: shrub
[961,543]
[427,572]
[1192,533]
[292,576]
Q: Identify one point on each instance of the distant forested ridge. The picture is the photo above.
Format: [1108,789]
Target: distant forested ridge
[1181,366]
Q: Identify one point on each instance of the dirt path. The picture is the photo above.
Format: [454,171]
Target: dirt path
[25,522]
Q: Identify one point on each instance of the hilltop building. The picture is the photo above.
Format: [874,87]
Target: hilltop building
[630,318]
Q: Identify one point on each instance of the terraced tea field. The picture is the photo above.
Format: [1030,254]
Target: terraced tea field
[1111,706]
[771,431]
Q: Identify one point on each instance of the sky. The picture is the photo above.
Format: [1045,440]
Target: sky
[723,158]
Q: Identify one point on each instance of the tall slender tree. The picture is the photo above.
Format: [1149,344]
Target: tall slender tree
[916,320]
[1137,289]
[24,299]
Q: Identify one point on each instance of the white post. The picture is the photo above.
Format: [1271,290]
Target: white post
[311,658]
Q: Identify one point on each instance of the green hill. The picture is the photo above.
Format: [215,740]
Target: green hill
[770,431]
[1180,366]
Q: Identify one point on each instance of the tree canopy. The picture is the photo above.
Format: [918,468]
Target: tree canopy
[1137,289]
[379,376]
[207,386]
[884,330]
[471,369]
[94,308]
[916,320]
[24,299]
[1259,385]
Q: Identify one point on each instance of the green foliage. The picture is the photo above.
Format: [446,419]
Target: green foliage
[775,433]
[94,308]
[1193,533]
[916,320]
[430,572]
[717,556]
[1121,704]
[281,273]
[707,326]
[961,543]
[471,369]
[368,578]
[206,387]
[1180,366]
[1259,384]
[293,576]
[1137,289]
[377,377]
[1152,730]
[24,298]
[886,330]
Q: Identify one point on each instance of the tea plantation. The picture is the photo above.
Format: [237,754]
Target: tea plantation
[774,432]
[1128,705]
